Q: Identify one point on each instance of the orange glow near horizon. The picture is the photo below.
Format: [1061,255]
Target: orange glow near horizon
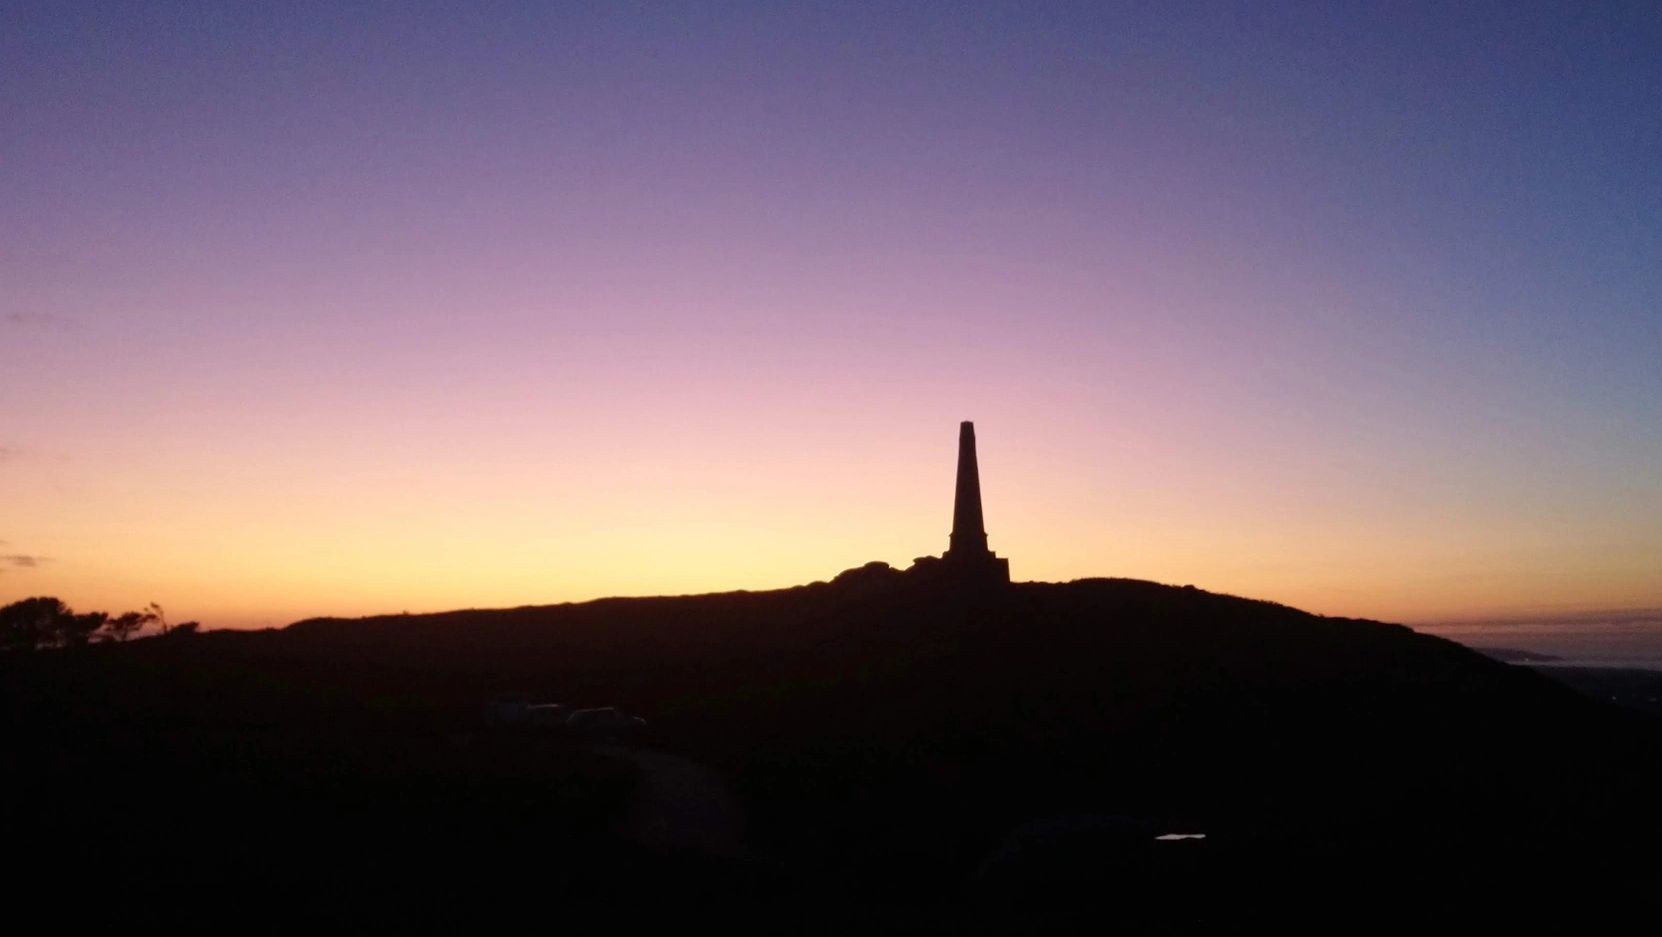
[375,530]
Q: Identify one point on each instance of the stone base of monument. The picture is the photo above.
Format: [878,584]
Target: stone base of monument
[969,569]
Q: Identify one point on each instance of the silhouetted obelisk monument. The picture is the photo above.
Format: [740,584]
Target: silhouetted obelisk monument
[967,558]
[969,535]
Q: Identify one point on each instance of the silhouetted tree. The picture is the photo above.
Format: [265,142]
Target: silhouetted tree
[126,624]
[44,621]
[75,630]
[31,623]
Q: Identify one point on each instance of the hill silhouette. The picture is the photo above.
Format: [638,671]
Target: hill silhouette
[893,742]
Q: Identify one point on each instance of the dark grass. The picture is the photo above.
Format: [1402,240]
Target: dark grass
[886,738]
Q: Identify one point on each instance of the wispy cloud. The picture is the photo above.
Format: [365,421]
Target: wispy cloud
[22,560]
[8,453]
[39,320]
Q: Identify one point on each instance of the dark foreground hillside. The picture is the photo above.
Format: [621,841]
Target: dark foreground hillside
[900,756]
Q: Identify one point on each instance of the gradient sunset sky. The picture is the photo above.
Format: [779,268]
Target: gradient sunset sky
[342,308]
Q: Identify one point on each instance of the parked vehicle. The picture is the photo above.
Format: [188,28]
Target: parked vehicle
[547,714]
[603,720]
[508,710]
[520,711]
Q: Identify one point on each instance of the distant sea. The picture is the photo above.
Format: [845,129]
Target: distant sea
[1630,639]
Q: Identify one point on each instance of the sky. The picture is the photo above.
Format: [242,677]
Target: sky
[323,308]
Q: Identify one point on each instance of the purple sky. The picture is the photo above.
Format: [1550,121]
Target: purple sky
[331,307]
